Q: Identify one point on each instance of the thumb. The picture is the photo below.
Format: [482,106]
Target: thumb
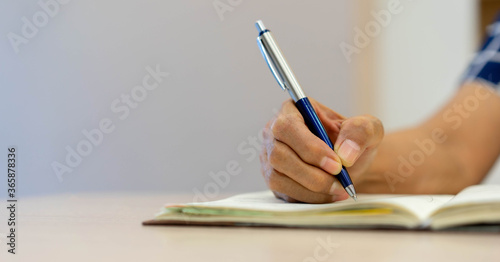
[356,135]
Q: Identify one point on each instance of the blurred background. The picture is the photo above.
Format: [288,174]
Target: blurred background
[171,96]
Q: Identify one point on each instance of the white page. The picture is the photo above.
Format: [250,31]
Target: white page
[478,194]
[419,205]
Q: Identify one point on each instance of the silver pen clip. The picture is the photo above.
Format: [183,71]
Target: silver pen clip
[271,64]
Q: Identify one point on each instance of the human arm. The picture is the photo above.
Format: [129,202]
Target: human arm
[453,149]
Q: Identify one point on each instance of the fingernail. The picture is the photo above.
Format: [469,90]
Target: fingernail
[334,187]
[349,151]
[331,166]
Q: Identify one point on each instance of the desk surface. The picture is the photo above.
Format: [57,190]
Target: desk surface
[107,227]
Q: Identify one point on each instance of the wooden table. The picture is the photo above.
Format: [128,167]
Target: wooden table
[107,227]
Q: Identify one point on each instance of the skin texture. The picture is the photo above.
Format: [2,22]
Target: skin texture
[453,149]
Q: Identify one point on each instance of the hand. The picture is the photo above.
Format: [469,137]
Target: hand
[300,167]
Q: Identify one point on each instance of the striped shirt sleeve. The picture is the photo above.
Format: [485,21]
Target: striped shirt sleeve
[485,66]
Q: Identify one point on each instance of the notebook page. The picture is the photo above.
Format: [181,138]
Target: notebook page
[262,201]
[420,205]
[478,194]
[478,204]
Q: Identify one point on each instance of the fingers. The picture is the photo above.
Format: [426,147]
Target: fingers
[285,188]
[356,135]
[290,190]
[290,129]
[298,166]
[285,161]
[352,136]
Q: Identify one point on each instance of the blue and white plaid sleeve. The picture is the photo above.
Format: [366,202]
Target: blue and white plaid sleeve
[486,64]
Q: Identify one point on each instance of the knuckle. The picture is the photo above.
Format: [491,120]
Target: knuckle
[286,103]
[366,124]
[369,129]
[274,154]
[379,126]
[273,181]
[278,126]
[359,123]
[282,124]
[373,126]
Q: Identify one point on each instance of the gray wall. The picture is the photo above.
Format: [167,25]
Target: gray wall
[65,78]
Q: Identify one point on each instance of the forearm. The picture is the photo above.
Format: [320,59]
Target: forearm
[410,161]
[453,149]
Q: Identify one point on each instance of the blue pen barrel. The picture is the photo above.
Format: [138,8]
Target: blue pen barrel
[316,127]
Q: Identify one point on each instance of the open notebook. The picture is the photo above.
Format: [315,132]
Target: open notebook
[478,204]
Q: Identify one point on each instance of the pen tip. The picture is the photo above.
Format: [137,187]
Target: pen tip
[352,193]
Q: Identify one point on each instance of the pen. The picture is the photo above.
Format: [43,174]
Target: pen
[287,81]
